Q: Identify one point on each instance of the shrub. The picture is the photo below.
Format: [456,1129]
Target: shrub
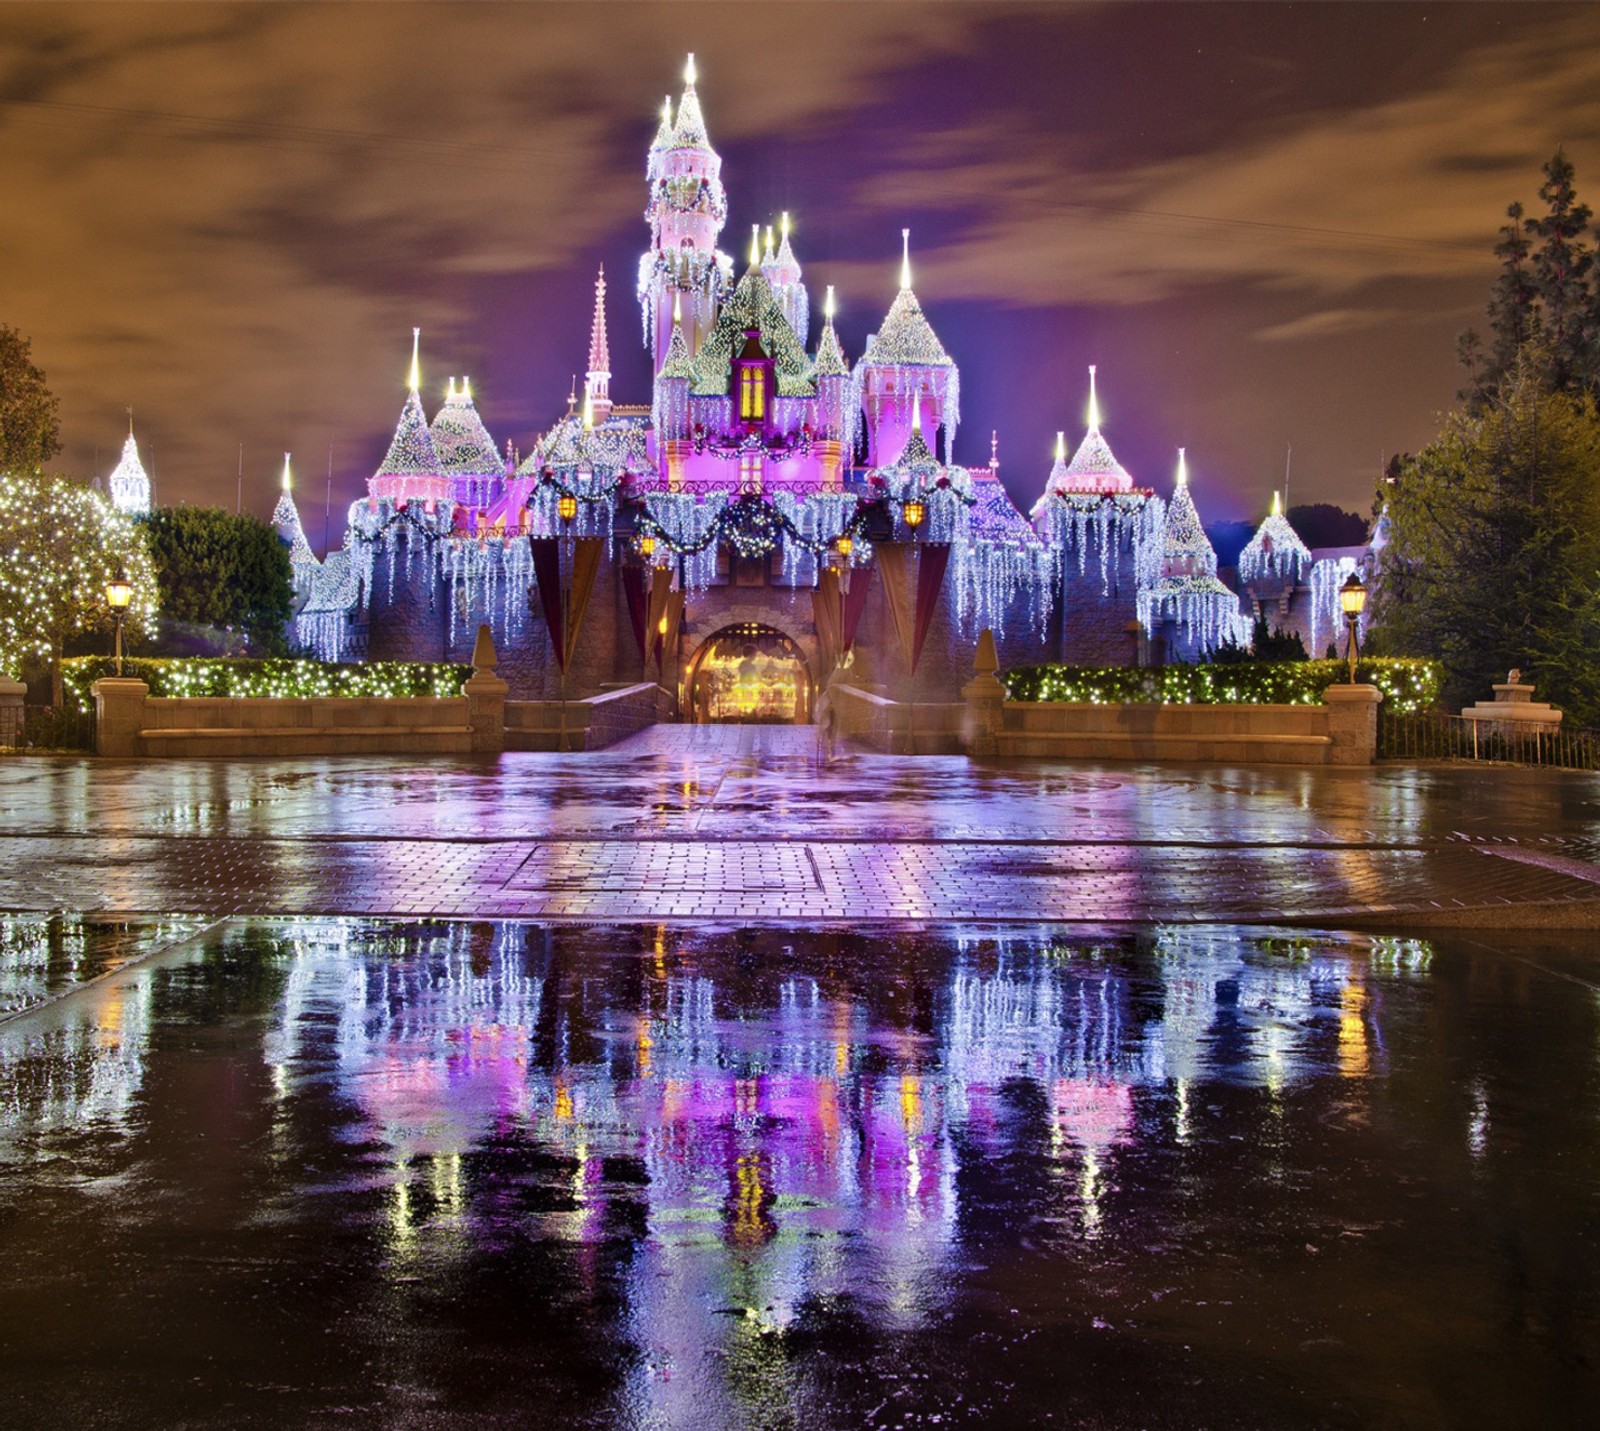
[1407,685]
[229,676]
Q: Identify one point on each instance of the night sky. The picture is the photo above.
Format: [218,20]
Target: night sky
[1266,223]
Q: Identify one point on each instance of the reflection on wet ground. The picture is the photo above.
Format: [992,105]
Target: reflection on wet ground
[364,1172]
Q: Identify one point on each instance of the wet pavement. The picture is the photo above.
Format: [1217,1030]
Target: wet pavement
[335,1172]
[746,823]
[699,1084]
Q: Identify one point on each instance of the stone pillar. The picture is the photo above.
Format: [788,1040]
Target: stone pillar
[1352,723]
[11,698]
[986,698]
[486,698]
[118,715]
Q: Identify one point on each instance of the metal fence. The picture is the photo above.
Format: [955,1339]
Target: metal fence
[30,729]
[1432,735]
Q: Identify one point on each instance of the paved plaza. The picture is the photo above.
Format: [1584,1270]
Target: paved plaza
[745,823]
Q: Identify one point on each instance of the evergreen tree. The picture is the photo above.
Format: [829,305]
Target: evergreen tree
[218,569]
[30,434]
[1544,299]
[1493,557]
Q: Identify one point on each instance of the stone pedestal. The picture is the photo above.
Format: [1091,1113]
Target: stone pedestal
[1352,724]
[12,694]
[118,715]
[985,698]
[1513,711]
[486,698]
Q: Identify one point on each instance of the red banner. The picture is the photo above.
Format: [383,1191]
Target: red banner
[546,553]
[930,577]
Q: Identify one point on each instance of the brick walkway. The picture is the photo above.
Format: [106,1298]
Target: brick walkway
[744,823]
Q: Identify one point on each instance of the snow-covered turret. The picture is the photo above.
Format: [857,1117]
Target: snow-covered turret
[129,483]
[1275,553]
[1188,593]
[686,209]
[905,366]
[1093,470]
[410,470]
[286,520]
[783,273]
[467,454]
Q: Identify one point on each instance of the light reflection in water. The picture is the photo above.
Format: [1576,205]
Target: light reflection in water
[768,1131]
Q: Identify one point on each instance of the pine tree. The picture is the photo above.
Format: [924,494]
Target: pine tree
[1561,271]
[30,434]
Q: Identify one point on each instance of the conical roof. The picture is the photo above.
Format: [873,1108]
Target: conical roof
[689,132]
[677,363]
[1093,468]
[663,139]
[1274,550]
[1184,539]
[830,356]
[411,451]
[286,519]
[906,337]
[752,305]
[461,441]
[129,483]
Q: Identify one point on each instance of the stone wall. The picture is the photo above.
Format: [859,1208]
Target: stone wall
[589,724]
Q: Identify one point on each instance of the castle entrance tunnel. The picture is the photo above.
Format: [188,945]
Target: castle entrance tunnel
[750,674]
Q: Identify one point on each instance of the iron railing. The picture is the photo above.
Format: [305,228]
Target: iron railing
[1432,735]
[32,729]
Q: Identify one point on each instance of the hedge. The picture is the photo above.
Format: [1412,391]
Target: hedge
[244,676]
[1407,684]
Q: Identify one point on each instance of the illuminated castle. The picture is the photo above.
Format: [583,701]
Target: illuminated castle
[770,497]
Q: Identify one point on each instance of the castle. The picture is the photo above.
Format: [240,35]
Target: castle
[774,510]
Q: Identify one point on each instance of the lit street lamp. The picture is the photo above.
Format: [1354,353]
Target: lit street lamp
[119,594]
[1353,599]
[913,512]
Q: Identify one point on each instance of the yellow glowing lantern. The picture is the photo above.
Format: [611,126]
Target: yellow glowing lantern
[647,546]
[566,506]
[913,512]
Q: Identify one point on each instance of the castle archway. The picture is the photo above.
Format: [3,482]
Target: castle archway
[750,674]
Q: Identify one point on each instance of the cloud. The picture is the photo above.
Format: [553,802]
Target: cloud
[1324,201]
[1329,322]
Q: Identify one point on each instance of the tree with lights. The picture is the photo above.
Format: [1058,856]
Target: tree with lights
[60,543]
[30,434]
[214,568]
[1493,553]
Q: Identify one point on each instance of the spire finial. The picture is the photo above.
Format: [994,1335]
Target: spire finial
[689,71]
[416,360]
[666,112]
[677,307]
[450,392]
[827,304]
[916,411]
[783,224]
[466,389]
[599,346]
[770,250]
[905,258]
[288,481]
[1277,504]
[1094,403]
[755,245]
[1061,447]
[994,448]
[588,413]
[130,421]
[1183,470]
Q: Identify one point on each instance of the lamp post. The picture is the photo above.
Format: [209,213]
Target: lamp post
[119,594]
[913,511]
[1353,600]
[566,509]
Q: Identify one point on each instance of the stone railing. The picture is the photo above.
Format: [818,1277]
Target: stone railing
[589,724]
[888,725]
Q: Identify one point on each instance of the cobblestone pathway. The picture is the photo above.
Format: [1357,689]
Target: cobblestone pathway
[745,823]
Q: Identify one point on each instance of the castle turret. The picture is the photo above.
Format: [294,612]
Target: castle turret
[410,470]
[783,273]
[905,366]
[686,209]
[467,454]
[129,483]
[1093,470]
[1275,554]
[1187,596]
[597,388]
[833,400]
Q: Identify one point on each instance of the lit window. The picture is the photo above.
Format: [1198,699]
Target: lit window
[752,395]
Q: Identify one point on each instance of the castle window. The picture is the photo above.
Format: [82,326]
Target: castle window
[752,394]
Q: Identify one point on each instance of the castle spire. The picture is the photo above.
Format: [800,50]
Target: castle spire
[414,379]
[690,130]
[598,388]
[905,258]
[288,477]
[1183,470]
[1094,403]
